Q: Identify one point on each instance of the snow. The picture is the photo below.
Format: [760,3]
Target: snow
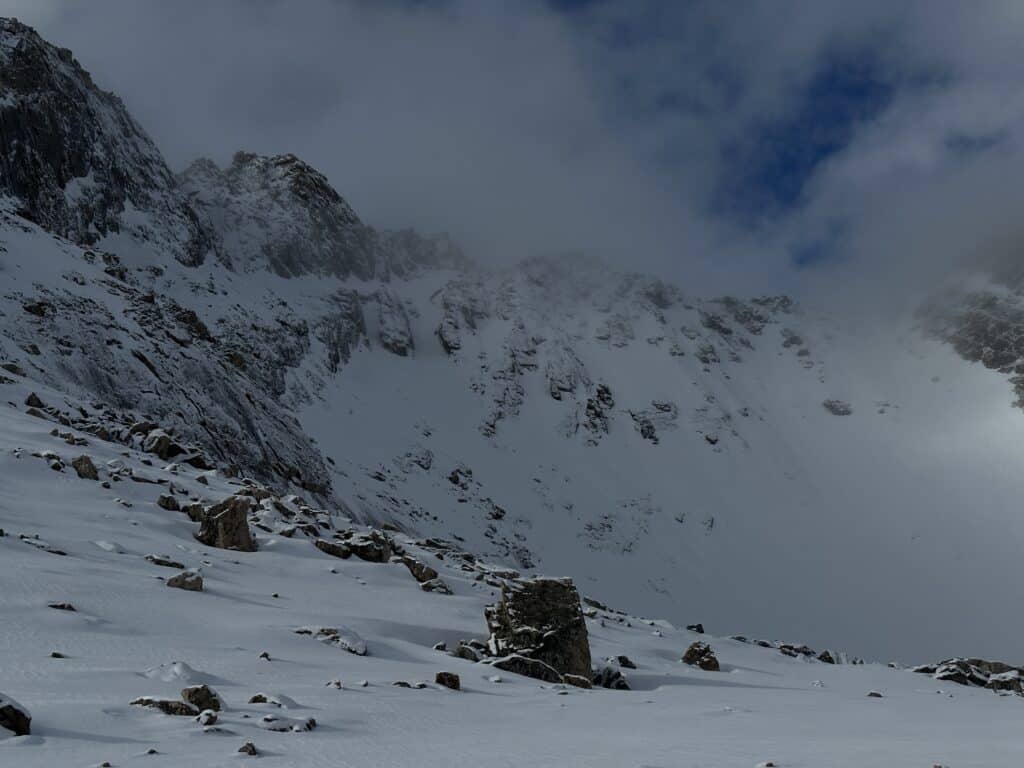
[130,637]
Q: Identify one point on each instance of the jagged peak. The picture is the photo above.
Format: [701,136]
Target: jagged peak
[75,159]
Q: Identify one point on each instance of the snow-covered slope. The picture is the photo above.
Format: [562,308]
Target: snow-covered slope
[130,636]
[748,463]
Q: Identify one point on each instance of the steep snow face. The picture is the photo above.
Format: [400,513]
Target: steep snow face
[77,162]
[725,460]
[279,213]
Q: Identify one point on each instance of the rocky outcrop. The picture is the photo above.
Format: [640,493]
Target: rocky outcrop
[14,717]
[699,654]
[394,330]
[79,164]
[979,673]
[203,697]
[541,619]
[226,525]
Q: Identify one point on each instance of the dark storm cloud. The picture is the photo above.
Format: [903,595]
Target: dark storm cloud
[752,145]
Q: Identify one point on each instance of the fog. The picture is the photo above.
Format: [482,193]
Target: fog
[654,134]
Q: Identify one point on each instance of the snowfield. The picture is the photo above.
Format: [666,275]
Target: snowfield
[130,636]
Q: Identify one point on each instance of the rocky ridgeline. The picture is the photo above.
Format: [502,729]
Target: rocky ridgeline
[78,161]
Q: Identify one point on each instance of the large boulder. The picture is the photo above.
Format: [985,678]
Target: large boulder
[202,697]
[14,717]
[700,655]
[226,525]
[190,581]
[541,618]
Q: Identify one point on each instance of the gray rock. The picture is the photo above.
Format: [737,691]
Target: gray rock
[700,655]
[187,580]
[85,468]
[448,680]
[202,697]
[541,618]
[14,717]
[167,706]
[226,525]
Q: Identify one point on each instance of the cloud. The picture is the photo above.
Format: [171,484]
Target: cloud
[752,149]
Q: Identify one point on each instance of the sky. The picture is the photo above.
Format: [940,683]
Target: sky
[758,146]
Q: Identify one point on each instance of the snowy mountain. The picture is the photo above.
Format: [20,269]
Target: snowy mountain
[747,463]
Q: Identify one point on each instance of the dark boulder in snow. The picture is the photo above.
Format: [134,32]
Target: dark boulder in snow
[610,677]
[837,407]
[202,697]
[85,468]
[14,717]
[700,655]
[226,525]
[168,502]
[448,680]
[541,618]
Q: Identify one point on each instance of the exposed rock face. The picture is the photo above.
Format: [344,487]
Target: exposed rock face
[280,213]
[78,161]
[14,717]
[541,618]
[393,320]
[190,581]
[226,525]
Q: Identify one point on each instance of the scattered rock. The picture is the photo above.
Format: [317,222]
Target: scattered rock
[248,749]
[346,639]
[610,677]
[33,401]
[207,717]
[837,407]
[202,697]
[191,581]
[535,668]
[826,657]
[168,502]
[14,717]
[226,525]
[85,468]
[166,562]
[700,655]
[448,680]
[541,618]
[61,606]
[874,695]
[419,570]
[698,628]
[167,706]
